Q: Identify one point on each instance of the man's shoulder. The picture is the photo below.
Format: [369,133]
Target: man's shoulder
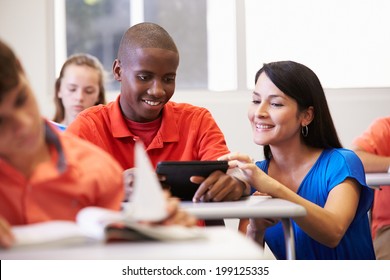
[96,110]
[381,123]
[180,107]
[90,118]
[78,149]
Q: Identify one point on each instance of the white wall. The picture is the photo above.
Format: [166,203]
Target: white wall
[352,111]
[29,30]
[27,26]
[337,39]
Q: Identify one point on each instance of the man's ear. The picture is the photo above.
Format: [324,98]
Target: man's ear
[117,70]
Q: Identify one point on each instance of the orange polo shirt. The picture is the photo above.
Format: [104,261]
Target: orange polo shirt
[187,132]
[376,140]
[78,175]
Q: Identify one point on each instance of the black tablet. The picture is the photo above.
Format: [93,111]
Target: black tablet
[178,175]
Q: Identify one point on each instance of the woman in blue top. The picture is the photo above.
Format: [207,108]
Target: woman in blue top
[305,164]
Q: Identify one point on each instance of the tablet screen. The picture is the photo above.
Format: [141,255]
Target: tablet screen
[178,175]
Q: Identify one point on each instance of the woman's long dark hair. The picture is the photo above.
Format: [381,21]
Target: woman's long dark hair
[302,84]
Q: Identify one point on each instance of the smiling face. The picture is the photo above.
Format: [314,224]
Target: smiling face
[79,90]
[274,116]
[148,79]
[21,127]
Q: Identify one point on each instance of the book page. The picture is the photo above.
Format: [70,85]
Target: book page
[50,234]
[148,200]
[114,225]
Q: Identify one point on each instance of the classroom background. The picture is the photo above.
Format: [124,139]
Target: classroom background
[346,43]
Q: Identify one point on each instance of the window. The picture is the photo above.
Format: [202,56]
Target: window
[96,27]
[207,52]
[223,43]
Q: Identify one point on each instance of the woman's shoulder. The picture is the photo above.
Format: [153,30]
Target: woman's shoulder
[340,154]
[343,162]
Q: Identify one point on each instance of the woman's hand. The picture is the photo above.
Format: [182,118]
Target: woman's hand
[250,172]
[256,229]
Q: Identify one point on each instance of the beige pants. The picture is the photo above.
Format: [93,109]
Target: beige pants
[382,243]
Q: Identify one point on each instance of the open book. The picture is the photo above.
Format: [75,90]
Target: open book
[148,205]
[96,224]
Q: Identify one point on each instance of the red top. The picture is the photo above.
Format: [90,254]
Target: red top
[78,175]
[187,132]
[376,140]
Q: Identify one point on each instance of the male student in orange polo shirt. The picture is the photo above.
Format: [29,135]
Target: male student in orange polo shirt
[146,68]
[373,148]
[44,174]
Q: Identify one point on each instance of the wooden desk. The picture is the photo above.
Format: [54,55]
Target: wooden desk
[378,179]
[252,207]
[220,243]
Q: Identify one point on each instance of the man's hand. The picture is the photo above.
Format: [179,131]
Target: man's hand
[6,237]
[218,187]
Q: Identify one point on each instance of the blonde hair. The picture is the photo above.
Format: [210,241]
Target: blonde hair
[79,59]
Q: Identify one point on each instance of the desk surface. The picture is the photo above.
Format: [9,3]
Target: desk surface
[378,179]
[220,243]
[250,207]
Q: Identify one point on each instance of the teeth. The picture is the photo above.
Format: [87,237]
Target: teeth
[152,103]
[263,126]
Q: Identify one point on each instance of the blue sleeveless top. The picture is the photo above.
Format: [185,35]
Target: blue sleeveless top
[332,168]
[61,127]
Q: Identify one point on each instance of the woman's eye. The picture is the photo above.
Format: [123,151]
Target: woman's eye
[90,91]
[276,104]
[256,102]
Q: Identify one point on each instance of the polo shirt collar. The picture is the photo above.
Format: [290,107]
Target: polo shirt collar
[118,123]
[169,131]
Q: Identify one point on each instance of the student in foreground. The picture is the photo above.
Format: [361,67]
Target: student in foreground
[305,164]
[146,68]
[373,148]
[80,85]
[44,174]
